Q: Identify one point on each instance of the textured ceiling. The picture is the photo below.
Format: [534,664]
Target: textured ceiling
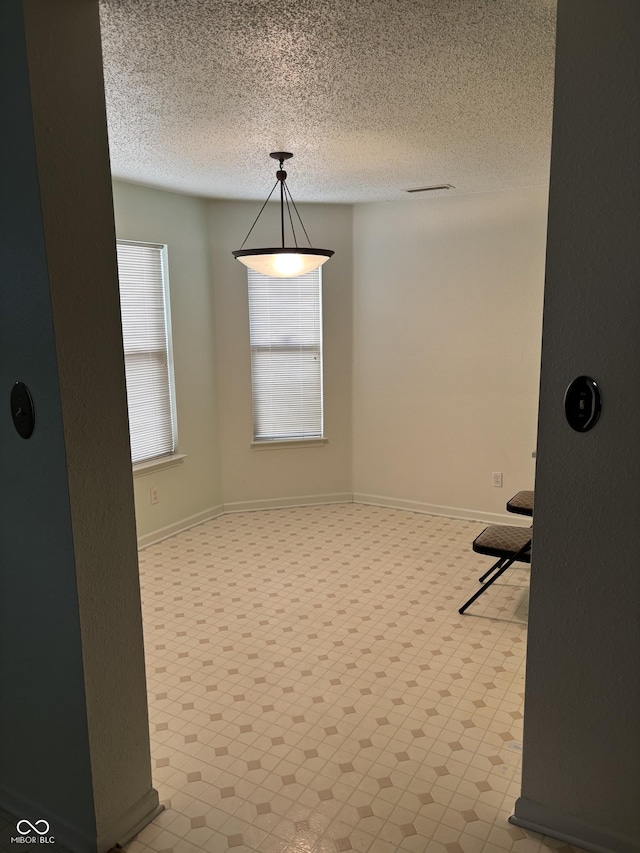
[373,96]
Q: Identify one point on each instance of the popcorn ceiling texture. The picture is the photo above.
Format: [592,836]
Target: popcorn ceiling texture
[372,97]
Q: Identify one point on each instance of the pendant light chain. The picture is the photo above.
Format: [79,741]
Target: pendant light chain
[298,215]
[281,175]
[258,217]
[293,230]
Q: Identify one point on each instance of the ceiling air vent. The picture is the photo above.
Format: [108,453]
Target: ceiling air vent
[431,189]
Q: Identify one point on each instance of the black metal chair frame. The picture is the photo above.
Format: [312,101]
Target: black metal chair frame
[497,570]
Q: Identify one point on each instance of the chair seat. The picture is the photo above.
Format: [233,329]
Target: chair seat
[503,541]
[521,503]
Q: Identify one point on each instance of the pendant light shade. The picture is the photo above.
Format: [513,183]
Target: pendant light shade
[282,261]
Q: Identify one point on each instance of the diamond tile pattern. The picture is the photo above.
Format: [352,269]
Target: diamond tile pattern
[312,687]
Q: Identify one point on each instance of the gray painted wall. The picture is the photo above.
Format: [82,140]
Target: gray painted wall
[40,624]
[73,717]
[581,765]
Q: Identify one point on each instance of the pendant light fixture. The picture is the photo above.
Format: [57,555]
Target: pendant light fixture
[283,261]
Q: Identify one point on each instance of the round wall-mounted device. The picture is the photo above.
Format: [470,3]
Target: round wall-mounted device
[582,403]
[22,410]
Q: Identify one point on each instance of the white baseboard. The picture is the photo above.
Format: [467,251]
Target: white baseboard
[184,524]
[72,837]
[549,821]
[130,823]
[282,503]
[435,509]
[332,498]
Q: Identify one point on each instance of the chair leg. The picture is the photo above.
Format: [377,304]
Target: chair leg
[500,571]
[493,567]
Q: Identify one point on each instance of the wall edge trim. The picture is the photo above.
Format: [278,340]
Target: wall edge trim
[179,526]
[128,825]
[565,827]
[464,514]
[434,509]
[292,501]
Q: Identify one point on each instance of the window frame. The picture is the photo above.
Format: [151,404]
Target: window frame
[174,457]
[296,441]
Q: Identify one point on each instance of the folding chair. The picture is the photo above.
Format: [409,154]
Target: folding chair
[508,544]
[522,503]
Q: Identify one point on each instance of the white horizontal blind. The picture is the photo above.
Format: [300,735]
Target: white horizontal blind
[285,320]
[146,349]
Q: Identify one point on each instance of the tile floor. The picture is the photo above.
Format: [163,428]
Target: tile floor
[312,688]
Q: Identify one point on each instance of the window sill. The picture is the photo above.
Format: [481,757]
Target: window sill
[281,444]
[153,465]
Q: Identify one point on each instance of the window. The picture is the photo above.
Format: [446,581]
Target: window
[285,322]
[144,304]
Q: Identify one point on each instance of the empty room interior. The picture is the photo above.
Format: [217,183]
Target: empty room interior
[241,485]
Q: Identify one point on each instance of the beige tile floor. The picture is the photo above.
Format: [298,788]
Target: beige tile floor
[312,688]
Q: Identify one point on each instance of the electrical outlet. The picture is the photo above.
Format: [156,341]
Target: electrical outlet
[154,494]
[496,479]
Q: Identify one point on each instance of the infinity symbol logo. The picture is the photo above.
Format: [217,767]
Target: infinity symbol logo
[32,827]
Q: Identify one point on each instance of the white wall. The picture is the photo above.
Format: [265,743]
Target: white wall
[262,477]
[432,323]
[447,328]
[210,330]
[191,489]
